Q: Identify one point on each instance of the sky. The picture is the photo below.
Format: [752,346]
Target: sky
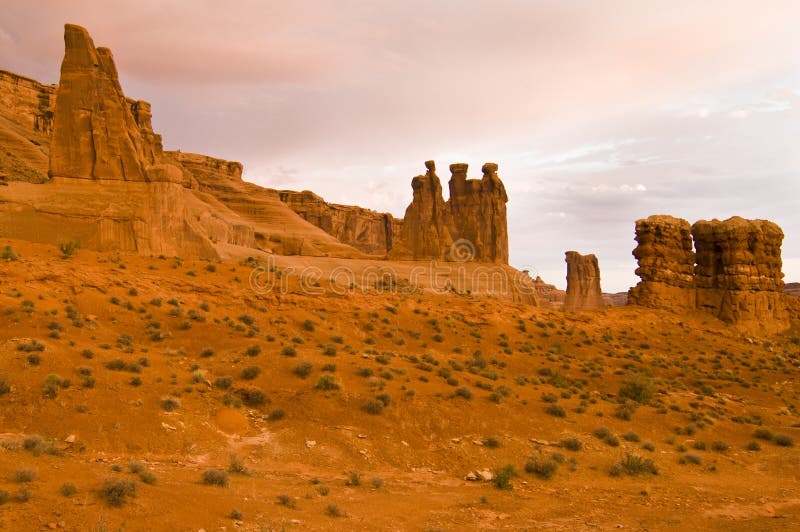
[597,112]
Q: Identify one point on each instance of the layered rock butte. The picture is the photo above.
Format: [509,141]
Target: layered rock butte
[111,185]
[583,282]
[733,272]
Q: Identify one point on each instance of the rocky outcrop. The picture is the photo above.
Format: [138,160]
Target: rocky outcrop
[366,230]
[583,282]
[98,133]
[739,274]
[733,273]
[474,218]
[666,264]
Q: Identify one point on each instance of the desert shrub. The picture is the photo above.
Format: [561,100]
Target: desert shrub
[215,477]
[753,446]
[572,444]
[763,434]
[87,353]
[548,397]
[25,475]
[8,254]
[5,387]
[224,382]
[285,500]
[148,477]
[253,350]
[364,372]
[625,410]
[207,352]
[52,385]
[373,406]
[115,491]
[236,465]
[647,446]
[556,410]
[784,440]
[252,396]
[631,436]
[37,445]
[68,249]
[235,514]
[289,351]
[377,482]
[329,350]
[276,415]
[302,370]
[633,465]
[690,458]
[308,325]
[353,478]
[169,404]
[491,442]
[463,392]
[502,477]
[719,446]
[136,467]
[699,445]
[67,489]
[542,468]
[251,372]
[30,347]
[327,382]
[333,511]
[637,387]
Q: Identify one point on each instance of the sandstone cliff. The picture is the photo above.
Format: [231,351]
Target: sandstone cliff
[26,121]
[583,282]
[366,230]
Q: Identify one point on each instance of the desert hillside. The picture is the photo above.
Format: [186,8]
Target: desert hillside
[137,390]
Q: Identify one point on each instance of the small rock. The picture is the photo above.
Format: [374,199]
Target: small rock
[456,440]
[361,436]
[167,426]
[478,442]
[485,474]
[471,477]
[404,443]
[70,438]
[52,525]
[311,444]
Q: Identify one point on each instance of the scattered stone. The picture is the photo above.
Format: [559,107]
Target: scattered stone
[311,444]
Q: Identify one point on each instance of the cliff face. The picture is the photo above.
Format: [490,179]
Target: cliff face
[583,282]
[474,218]
[366,230]
[734,272]
[26,121]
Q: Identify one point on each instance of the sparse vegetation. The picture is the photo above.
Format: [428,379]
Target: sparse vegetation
[215,477]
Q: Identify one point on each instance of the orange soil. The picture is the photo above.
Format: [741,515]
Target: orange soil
[421,445]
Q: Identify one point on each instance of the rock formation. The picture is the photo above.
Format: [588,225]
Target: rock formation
[738,273]
[427,224]
[734,272]
[97,132]
[666,264]
[475,214]
[583,282]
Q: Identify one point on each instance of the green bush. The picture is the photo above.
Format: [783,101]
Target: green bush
[633,465]
[68,249]
[327,382]
[502,477]
[541,468]
[637,387]
[8,254]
